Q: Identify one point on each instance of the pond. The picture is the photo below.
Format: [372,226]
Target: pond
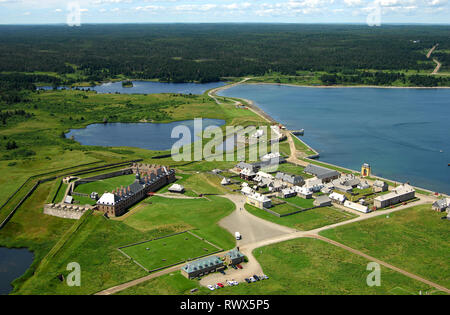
[13,264]
[150,136]
[150,87]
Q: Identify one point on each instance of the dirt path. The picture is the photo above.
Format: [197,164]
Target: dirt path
[438,66]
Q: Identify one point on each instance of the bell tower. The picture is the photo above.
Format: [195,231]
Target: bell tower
[365,170]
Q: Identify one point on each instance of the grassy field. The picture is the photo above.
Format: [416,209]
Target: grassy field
[169,250]
[108,184]
[307,220]
[414,239]
[301,266]
[200,214]
[293,169]
[301,202]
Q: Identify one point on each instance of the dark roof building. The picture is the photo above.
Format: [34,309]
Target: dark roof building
[325,174]
[234,257]
[201,267]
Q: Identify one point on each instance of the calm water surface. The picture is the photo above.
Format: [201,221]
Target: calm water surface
[13,264]
[403,133]
[147,87]
[141,135]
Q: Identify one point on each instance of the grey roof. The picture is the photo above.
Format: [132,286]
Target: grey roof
[441,204]
[379,183]
[202,263]
[320,172]
[323,198]
[234,253]
[289,178]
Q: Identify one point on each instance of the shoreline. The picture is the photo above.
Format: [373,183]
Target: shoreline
[349,86]
[264,115]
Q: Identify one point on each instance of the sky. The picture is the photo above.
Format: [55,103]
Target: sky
[371,12]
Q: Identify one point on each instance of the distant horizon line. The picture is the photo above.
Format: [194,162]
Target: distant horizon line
[216,23]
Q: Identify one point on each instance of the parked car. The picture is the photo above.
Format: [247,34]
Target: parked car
[220,285]
[247,280]
[216,286]
[230,283]
[252,279]
[222,272]
[238,235]
[235,282]
[210,287]
[233,266]
[264,277]
[256,277]
[239,266]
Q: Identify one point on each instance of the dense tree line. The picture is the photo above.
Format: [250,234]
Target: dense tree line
[207,52]
[384,78]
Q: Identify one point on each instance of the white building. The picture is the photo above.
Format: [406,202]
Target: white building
[259,201]
[176,188]
[356,206]
[246,190]
[337,197]
[303,192]
[314,184]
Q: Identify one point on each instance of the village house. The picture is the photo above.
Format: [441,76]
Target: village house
[441,205]
[260,176]
[356,206]
[289,179]
[234,257]
[247,174]
[379,186]
[399,194]
[324,174]
[259,201]
[363,185]
[246,190]
[322,201]
[334,196]
[287,193]
[118,201]
[201,267]
[303,192]
[225,181]
[314,184]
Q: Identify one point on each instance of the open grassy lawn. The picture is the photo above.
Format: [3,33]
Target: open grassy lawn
[301,202]
[169,250]
[414,239]
[307,220]
[108,184]
[301,266]
[200,214]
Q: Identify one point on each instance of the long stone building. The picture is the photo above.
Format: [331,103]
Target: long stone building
[149,178]
[399,194]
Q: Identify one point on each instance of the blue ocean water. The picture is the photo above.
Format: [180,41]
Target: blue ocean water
[404,134]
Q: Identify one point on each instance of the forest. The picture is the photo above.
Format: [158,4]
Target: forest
[59,54]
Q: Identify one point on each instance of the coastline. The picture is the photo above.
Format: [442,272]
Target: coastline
[349,86]
[266,116]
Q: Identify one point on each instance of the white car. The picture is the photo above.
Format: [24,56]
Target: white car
[235,282]
[210,287]
[230,283]
[265,277]
[252,279]
[216,286]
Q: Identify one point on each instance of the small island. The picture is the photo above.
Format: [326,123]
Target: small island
[127,84]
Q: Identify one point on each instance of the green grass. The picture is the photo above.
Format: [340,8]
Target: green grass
[293,169]
[169,250]
[200,214]
[108,184]
[307,220]
[414,239]
[301,266]
[301,202]
[309,266]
